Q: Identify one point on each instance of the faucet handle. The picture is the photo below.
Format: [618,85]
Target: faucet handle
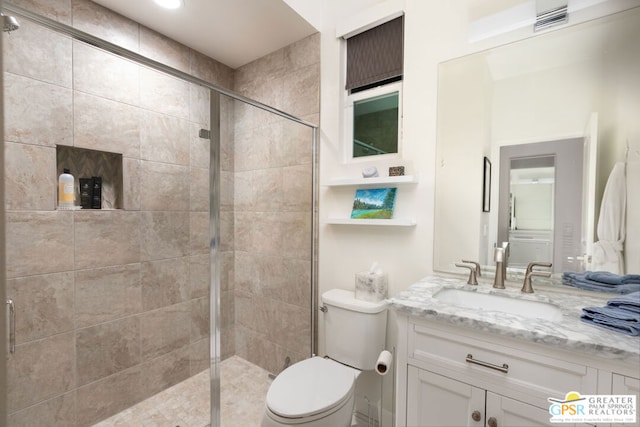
[526,286]
[531,265]
[478,271]
[472,273]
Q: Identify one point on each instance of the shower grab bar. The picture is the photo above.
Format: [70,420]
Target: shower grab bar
[12,325]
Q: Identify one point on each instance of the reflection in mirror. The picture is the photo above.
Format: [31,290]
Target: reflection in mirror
[574,91]
[530,225]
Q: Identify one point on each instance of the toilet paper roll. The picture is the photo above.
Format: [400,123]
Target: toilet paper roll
[383,363]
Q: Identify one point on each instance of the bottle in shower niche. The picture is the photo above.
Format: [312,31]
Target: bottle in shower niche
[96,200]
[66,189]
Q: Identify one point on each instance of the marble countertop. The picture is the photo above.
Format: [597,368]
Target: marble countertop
[570,333]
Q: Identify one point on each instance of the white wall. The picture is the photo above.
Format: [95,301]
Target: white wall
[434,32]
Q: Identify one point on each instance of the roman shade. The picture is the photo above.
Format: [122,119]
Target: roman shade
[375,55]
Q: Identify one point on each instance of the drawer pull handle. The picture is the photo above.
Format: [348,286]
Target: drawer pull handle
[504,368]
[492,422]
[476,416]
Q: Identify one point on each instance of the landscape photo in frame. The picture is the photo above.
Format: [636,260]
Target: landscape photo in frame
[374,203]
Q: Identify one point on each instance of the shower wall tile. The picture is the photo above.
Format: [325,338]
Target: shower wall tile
[40,370]
[165,330]
[164,235]
[164,138]
[106,125]
[295,235]
[108,25]
[200,316]
[302,53]
[165,50]
[106,237]
[258,350]
[44,305]
[297,140]
[303,94]
[23,55]
[199,105]
[103,398]
[227,274]
[227,229]
[107,348]
[211,71]
[164,94]
[198,147]
[227,129]
[199,189]
[37,112]
[131,184]
[164,282]
[103,74]
[199,272]
[106,294]
[40,242]
[56,412]
[58,10]
[292,327]
[30,182]
[267,190]
[199,232]
[226,191]
[199,355]
[296,188]
[163,186]
[165,371]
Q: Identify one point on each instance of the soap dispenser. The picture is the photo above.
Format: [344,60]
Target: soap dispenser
[66,189]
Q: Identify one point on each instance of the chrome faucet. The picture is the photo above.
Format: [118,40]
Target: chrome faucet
[526,286]
[473,271]
[499,257]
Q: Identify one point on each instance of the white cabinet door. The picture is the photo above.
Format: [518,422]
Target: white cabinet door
[627,385]
[505,412]
[512,413]
[437,401]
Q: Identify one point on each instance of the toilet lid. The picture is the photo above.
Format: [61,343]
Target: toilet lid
[310,387]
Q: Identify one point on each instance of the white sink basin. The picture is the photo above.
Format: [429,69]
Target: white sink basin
[499,303]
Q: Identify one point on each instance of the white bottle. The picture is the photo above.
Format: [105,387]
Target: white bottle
[66,189]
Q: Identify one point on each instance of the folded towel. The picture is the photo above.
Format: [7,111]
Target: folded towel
[613,313]
[612,324]
[581,280]
[613,279]
[629,302]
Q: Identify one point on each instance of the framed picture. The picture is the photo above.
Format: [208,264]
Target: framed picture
[486,186]
[374,203]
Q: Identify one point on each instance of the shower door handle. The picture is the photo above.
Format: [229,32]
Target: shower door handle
[12,325]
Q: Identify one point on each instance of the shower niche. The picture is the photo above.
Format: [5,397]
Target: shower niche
[85,163]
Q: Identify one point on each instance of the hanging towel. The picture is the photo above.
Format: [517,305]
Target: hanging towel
[607,251]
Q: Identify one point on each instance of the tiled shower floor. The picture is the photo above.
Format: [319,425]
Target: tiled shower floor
[244,387]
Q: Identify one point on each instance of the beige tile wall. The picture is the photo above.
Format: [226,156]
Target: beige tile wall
[272,205]
[112,306]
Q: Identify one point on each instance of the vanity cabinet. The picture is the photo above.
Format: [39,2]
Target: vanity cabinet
[460,377]
[437,401]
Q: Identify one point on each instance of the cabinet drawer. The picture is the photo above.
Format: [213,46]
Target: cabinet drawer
[507,370]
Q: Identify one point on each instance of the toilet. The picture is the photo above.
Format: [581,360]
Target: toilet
[320,392]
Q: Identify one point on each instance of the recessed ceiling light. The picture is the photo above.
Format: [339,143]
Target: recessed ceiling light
[170,4]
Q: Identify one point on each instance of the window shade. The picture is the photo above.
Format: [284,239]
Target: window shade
[375,55]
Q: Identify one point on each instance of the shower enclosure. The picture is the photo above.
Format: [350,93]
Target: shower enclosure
[204,247]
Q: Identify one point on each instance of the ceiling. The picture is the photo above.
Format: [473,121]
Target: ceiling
[234,32]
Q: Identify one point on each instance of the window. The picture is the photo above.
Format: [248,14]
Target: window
[374,89]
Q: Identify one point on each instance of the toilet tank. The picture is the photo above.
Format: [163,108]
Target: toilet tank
[355,330]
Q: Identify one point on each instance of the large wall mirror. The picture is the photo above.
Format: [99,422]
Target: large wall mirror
[553,114]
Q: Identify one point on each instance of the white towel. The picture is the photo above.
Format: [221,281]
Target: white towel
[607,251]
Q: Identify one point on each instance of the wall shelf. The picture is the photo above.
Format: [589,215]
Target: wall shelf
[341,182]
[401,222]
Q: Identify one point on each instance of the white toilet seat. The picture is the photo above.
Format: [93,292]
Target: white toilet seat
[310,389]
